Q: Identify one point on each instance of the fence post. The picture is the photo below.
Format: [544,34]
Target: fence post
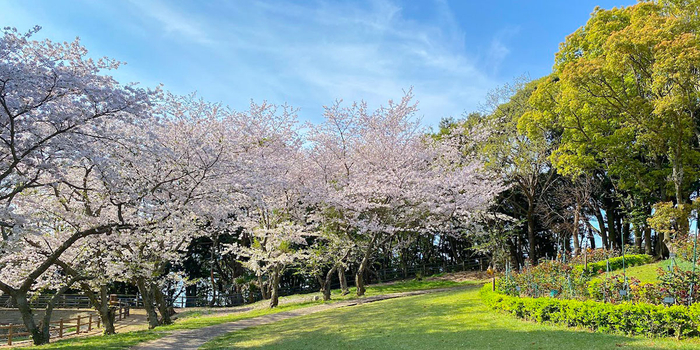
[120,312]
[77,325]
[89,323]
[60,328]
[9,335]
[98,321]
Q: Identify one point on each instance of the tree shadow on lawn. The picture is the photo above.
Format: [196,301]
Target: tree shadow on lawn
[450,320]
[433,339]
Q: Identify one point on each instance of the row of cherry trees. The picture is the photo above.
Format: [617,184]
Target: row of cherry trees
[103,182]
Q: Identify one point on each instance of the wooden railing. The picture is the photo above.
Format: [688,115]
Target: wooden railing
[63,327]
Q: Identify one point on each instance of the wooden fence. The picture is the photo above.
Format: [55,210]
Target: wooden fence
[63,327]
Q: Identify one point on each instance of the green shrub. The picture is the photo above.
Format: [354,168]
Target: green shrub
[616,263]
[626,318]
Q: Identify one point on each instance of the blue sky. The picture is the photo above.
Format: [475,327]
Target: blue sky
[309,53]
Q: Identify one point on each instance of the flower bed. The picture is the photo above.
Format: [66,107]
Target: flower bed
[626,318]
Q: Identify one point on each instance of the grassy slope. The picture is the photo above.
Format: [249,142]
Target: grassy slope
[648,272]
[450,320]
[200,319]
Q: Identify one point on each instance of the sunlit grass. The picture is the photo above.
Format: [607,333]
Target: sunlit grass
[649,272]
[203,317]
[450,320]
[117,341]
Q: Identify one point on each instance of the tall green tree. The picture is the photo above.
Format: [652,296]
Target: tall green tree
[625,93]
[523,160]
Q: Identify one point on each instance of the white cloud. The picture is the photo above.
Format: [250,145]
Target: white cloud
[498,50]
[172,20]
[371,52]
[305,53]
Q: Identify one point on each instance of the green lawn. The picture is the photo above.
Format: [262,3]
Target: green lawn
[648,272]
[199,319]
[450,320]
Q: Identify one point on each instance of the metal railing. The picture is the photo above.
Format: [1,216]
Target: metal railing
[77,301]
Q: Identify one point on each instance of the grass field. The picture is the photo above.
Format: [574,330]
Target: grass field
[648,272]
[203,318]
[451,320]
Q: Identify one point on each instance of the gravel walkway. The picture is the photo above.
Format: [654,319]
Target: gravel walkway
[194,338]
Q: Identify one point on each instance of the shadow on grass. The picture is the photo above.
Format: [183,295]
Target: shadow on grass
[117,341]
[450,320]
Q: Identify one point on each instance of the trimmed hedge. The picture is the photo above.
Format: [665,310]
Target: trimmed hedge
[625,318]
[616,263]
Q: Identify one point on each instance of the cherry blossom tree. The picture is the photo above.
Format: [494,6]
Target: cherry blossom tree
[54,102]
[385,176]
[328,254]
[181,172]
[103,182]
[271,195]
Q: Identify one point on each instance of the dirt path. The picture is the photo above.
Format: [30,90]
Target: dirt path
[194,338]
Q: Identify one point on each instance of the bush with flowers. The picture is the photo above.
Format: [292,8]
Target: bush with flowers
[679,284]
[626,318]
[616,289]
[556,292]
[549,278]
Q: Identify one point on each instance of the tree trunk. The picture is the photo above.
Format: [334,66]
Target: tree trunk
[626,231]
[359,274]
[38,337]
[148,304]
[648,249]
[612,234]
[274,287]
[638,237]
[326,284]
[327,294]
[575,233]
[591,238]
[603,231]
[360,280]
[163,306]
[107,316]
[101,304]
[343,282]
[531,234]
[215,242]
[263,289]
[325,289]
